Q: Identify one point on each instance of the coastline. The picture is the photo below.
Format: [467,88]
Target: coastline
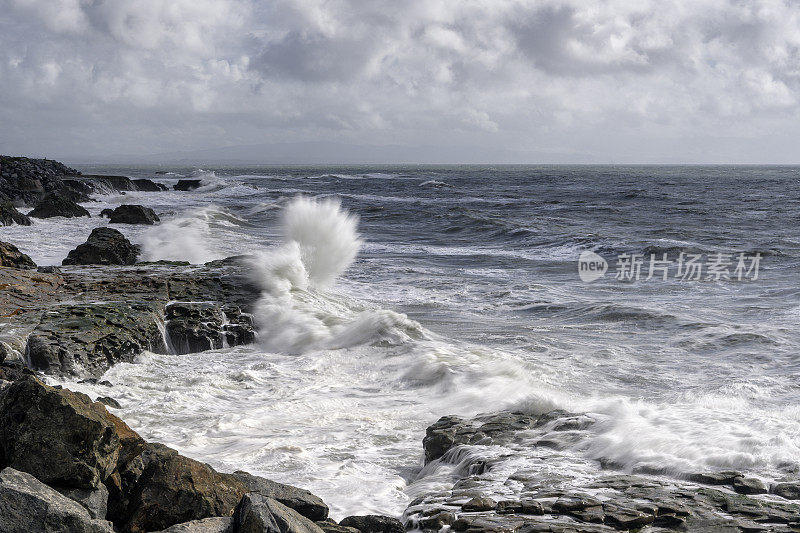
[115,311]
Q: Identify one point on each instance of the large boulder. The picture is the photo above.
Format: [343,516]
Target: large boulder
[133,214]
[198,326]
[187,185]
[260,514]
[105,246]
[301,500]
[56,205]
[9,215]
[148,185]
[93,500]
[61,437]
[161,488]
[220,524]
[10,256]
[28,505]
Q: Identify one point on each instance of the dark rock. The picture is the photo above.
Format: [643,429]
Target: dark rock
[107,212]
[222,524]
[450,431]
[111,402]
[714,478]
[749,485]
[27,505]
[76,190]
[329,526]
[133,214]
[48,269]
[479,504]
[9,215]
[102,182]
[374,524]
[790,491]
[198,326]
[301,500]
[55,205]
[11,257]
[59,436]
[260,514]
[436,521]
[187,185]
[160,488]
[93,500]
[625,517]
[26,180]
[105,246]
[148,185]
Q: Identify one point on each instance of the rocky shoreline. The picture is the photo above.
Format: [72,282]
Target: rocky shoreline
[68,464]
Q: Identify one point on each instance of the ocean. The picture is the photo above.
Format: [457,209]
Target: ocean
[394,295]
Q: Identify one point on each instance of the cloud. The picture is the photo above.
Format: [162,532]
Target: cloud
[614,79]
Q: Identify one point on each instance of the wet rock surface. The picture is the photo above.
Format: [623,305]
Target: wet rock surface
[133,214]
[26,180]
[301,500]
[105,246]
[187,185]
[260,514]
[11,257]
[10,215]
[57,205]
[197,326]
[148,185]
[514,472]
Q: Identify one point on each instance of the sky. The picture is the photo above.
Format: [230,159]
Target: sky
[639,81]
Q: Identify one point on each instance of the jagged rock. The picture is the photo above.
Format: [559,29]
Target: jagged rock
[790,491]
[330,526]
[749,485]
[479,504]
[28,505]
[109,183]
[451,431]
[714,478]
[11,257]
[93,500]
[59,436]
[133,214]
[222,524]
[109,401]
[187,185]
[26,180]
[301,500]
[374,524]
[76,190]
[198,326]
[55,205]
[9,215]
[160,488]
[148,185]
[260,514]
[105,246]
[87,338]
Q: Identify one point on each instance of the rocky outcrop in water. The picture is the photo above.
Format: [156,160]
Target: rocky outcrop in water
[56,205]
[105,246]
[148,185]
[493,489]
[199,326]
[11,257]
[133,214]
[24,180]
[187,185]
[9,215]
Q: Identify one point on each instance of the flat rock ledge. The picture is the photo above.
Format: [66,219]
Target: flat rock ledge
[515,472]
[67,465]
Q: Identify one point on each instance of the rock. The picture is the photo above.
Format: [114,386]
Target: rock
[790,491]
[9,215]
[109,401]
[714,478]
[450,431]
[28,505]
[95,501]
[479,504]
[749,485]
[161,488]
[260,514]
[102,182]
[133,214]
[26,180]
[148,185]
[11,257]
[50,269]
[330,526]
[55,205]
[59,436]
[198,326]
[107,212]
[374,524]
[76,190]
[222,524]
[300,500]
[105,246]
[187,185]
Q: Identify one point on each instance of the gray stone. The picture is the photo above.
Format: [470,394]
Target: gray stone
[56,205]
[9,215]
[105,246]
[133,214]
[301,500]
[93,500]
[11,257]
[749,485]
[222,524]
[27,505]
[260,514]
[374,524]
[479,504]
[790,491]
